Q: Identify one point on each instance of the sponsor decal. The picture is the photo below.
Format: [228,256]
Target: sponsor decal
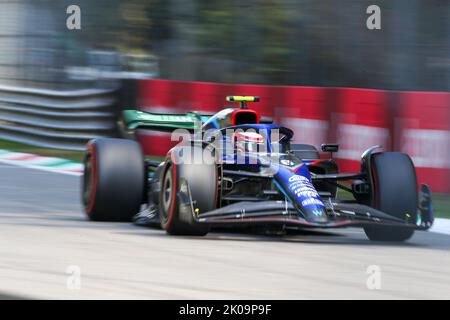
[317,212]
[308,194]
[312,201]
[298,178]
[305,192]
[303,187]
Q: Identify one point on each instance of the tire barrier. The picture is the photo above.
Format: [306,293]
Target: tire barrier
[56,119]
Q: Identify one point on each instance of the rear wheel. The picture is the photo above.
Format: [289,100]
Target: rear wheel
[202,179]
[395,192]
[114,179]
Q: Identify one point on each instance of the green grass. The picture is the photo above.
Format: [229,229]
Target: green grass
[441,203]
[58,153]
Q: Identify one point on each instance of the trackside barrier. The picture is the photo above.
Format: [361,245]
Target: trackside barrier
[422,129]
[361,120]
[305,110]
[417,123]
[56,119]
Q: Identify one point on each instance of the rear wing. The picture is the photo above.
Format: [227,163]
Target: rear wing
[134,119]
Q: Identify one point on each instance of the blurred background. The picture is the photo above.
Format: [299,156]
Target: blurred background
[283,42]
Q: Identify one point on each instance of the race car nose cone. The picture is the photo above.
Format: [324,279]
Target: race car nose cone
[316,215]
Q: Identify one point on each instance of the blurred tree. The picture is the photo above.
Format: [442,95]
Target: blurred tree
[298,42]
[251,33]
[275,21]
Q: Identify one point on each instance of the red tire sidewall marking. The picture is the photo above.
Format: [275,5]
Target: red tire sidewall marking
[174,193]
[93,160]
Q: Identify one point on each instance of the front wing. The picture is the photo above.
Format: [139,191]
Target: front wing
[246,213]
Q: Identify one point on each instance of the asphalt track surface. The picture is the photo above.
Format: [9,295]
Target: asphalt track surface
[43,232]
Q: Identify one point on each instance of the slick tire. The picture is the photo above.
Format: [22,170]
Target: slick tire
[114,179]
[395,193]
[202,179]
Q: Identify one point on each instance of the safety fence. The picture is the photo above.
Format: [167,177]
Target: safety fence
[417,123]
[56,119]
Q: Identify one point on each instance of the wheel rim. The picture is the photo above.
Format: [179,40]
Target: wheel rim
[167,191]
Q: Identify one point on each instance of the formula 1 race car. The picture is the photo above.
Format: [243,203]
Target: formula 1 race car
[236,168]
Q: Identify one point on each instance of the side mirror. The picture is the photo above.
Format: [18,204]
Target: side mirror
[330,147]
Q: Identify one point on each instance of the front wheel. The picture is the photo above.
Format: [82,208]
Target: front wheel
[395,193]
[202,180]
